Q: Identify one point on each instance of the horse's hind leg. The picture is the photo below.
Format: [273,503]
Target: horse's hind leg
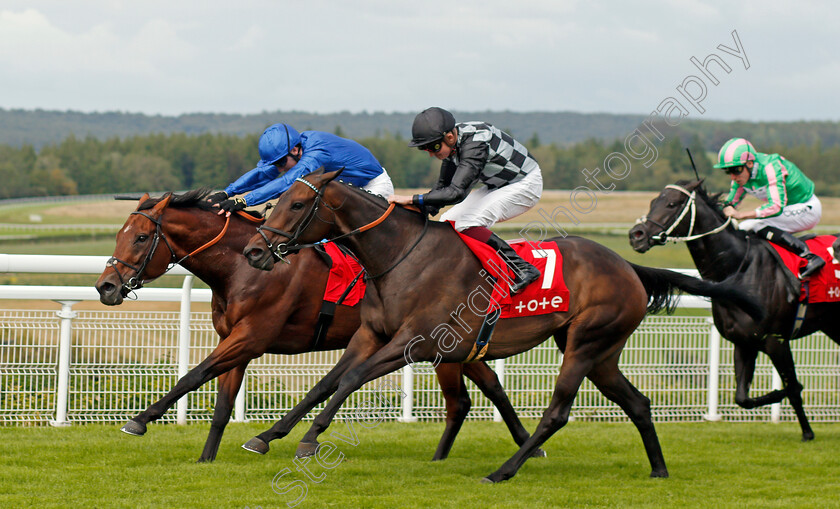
[457,401]
[782,358]
[612,383]
[780,355]
[229,385]
[489,384]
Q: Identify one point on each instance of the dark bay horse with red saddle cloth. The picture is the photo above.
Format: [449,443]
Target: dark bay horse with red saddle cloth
[422,277]
[254,312]
[686,212]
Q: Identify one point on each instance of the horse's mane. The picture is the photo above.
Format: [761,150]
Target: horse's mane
[712,200]
[194,198]
[715,203]
[382,202]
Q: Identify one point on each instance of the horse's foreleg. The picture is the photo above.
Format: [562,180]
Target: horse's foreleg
[235,350]
[229,385]
[457,402]
[555,416]
[782,358]
[390,358]
[615,386]
[362,345]
[489,384]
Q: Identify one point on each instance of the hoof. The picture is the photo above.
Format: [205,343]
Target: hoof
[306,449]
[493,478]
[659,474]
[807,438]
[134,428]
[256,445]
[539,453]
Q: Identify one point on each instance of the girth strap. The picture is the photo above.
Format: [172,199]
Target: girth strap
[801,309]
[325,316]
[482,341]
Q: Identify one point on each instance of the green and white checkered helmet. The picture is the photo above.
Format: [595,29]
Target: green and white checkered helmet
[735,152]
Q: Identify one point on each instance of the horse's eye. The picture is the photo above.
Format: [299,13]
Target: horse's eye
[142,238]
[297,205]
[672,205]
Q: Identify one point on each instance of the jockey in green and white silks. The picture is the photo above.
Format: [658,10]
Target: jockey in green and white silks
[791,205]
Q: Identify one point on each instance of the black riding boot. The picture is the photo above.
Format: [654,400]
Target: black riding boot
[796,246]
[524,272]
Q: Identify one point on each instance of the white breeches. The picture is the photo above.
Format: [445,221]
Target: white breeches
[794,218]
[381,185]
[486,207]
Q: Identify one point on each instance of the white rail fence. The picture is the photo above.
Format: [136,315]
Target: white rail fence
[65,366]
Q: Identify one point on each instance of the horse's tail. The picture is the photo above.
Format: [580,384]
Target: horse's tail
[664,287]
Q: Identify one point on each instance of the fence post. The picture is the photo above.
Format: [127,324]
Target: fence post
[408,400]
[500,373]
[714,373]
[239,402]
[776,408]
[64,344]
[184,345]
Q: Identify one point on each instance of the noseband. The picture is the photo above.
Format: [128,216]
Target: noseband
[690,207]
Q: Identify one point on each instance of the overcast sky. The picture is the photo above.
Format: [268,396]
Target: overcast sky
[247,56]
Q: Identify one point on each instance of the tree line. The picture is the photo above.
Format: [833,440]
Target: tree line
[180,161]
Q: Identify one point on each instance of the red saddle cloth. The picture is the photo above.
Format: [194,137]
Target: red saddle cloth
[548,294]
[825,284]
[344,269]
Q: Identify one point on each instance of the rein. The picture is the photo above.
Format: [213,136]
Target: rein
[136,281]
[290,246]
[689,207]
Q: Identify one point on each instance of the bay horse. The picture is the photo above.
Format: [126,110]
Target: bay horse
[253,312]
[686,212]
[422,274]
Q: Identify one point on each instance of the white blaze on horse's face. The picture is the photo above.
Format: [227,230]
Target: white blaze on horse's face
[127,228]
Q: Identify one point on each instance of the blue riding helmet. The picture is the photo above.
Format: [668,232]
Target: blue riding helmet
[276,142]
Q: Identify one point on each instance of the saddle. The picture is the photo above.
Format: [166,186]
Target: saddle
[824,286]
[548,294]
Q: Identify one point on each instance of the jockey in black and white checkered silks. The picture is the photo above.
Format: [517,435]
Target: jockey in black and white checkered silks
[478,153]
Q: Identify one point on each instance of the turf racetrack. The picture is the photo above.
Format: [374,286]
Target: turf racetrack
[588,465]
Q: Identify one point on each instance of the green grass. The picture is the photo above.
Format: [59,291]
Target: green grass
[21,213]
[588,465]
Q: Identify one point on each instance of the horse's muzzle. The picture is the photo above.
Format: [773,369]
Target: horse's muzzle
[259,257]
[109,293]
[639,239]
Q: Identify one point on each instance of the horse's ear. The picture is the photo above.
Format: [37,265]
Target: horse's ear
[162,203]
[322,177]
[697,184]
[144,198]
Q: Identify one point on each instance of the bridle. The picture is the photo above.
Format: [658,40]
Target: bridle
[292,245]
[690,207]
[135,282]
